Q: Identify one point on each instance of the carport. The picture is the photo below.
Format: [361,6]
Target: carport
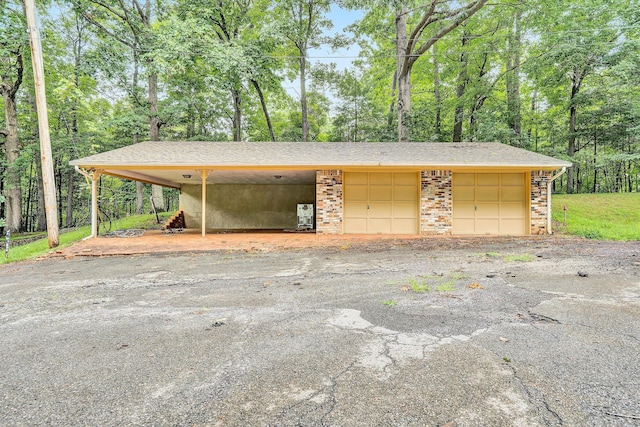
[359,188]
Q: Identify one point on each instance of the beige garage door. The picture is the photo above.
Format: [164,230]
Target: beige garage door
[380,203]
[489,203]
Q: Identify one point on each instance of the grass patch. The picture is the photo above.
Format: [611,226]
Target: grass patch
[419,286]
[520,258]
[427,283]
[446,286]
[612,216]
[390,303]
[41,247]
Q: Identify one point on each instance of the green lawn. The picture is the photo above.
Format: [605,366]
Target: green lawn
[41,247]
[598,216]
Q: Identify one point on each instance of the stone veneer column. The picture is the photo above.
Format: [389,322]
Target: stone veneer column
[539,200]
[329,202]
[436,202]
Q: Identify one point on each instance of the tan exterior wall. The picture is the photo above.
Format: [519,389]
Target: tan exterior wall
[329,202]
[245,206]
[539,201]
[436,202]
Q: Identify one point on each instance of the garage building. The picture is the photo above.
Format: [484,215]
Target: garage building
[371,188]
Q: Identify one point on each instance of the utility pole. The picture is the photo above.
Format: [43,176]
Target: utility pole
[43,124]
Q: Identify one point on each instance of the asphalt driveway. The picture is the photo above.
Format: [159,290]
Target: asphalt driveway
[466,332]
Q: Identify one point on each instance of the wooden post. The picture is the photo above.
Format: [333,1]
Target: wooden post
[204,173]
[94,203]
[43,125]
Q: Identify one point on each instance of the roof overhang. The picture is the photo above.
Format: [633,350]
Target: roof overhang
[297,163]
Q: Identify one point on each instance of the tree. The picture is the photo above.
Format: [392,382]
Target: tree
[302,23]
[579,42]
[131,25]
[12,44]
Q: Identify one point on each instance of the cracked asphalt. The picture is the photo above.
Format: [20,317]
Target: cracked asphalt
[396,333]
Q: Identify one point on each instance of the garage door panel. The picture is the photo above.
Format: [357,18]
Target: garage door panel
[358,178]
[404,226]
[380,193]
[408,179]
[380,210]
[511,210]
[487,194]
[488,179]
[512,194]
[355,225]
[355,209]
[512,179]
[464,210]
[405,210]
[465,194]
[511,226]
[356,193]
[488,210]
[379,225]
[404,194]
[464,179]
[465,226]
[487,226]
[380,179]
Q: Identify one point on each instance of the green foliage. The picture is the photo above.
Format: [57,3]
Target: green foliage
[598,216]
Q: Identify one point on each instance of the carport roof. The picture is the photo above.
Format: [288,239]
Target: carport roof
[140,161]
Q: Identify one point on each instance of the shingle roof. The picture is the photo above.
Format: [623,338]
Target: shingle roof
[317,155]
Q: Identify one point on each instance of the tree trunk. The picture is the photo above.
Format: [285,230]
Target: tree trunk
[462,84]
[303,94]
[513,77]
[154,135]
[41,221]
[404,78]
[13,191]
[436,94]
[237,114]
[576,82]
[265,111]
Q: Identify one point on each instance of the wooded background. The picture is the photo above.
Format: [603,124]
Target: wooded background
[557,77]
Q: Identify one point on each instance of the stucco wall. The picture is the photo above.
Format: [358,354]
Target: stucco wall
[238,206]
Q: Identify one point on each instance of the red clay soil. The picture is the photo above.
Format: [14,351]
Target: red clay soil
[154,241]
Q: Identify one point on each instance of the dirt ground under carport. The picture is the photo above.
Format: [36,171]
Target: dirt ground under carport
[299,329]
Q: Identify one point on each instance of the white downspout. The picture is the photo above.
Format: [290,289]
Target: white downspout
[553,178]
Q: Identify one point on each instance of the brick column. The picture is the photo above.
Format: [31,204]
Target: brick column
[329,202]
[539,200]
[436,202]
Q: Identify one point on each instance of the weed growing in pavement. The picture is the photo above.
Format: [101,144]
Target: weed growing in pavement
[390,303]
[438,282]
[445,286]
[521,258]
[419,286]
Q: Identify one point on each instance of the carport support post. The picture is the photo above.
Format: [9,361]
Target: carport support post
[94,202]
[204,173]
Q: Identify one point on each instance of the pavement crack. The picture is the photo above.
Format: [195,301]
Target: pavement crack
[536,399]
